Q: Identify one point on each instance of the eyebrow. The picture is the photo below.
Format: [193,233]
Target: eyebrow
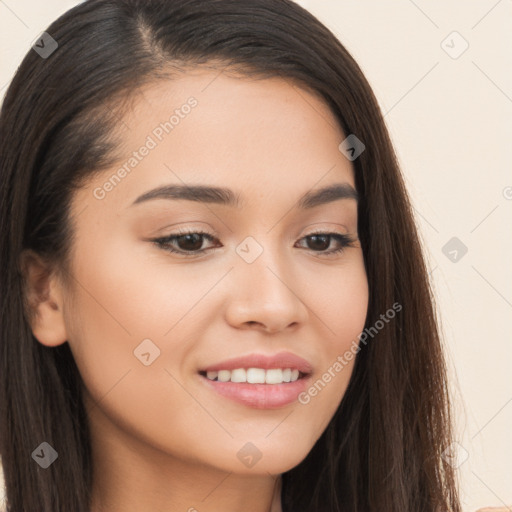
[226,196]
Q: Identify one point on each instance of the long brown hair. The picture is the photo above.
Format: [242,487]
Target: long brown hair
[382,450]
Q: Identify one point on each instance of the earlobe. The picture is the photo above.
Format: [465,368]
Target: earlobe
[44,297]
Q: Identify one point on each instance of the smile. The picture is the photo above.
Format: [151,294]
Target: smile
[255,375]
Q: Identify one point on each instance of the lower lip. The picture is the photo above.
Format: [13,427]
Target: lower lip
[260,396]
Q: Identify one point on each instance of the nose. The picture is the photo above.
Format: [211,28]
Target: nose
[265,295]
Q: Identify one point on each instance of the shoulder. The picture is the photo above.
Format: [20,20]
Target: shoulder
[495,509]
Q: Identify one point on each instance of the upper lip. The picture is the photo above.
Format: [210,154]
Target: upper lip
[266,362]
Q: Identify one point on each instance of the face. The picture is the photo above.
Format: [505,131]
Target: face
[174,288]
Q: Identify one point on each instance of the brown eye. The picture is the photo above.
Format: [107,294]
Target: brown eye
[191,242]
[320,242]
[187,244]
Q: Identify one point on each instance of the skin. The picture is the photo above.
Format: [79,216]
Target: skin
[161,439]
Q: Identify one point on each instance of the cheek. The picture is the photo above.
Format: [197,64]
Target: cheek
[113,311]
[342,304]
[116,325]
[125,306]
[128,293]
[341,307]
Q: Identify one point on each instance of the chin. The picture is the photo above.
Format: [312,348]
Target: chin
[253,458]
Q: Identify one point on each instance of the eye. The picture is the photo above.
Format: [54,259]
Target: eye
[319,242]
[190,243]
[187,242]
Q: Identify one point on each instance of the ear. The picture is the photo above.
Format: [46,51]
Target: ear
[44,296]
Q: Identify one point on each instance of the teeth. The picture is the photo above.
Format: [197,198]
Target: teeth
[255,375]
[224,375]
[238,375]
[274,376]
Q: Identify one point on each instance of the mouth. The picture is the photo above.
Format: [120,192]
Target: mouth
[259,381]
[269,388]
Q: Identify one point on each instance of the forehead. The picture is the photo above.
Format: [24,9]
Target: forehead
[258,136]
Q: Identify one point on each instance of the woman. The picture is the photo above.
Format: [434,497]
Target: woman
[213,295]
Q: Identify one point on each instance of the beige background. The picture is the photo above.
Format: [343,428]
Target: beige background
[450,117]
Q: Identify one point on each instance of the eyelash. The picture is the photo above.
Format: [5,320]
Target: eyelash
[164,242]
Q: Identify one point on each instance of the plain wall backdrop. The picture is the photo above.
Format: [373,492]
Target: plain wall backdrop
[442,74]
